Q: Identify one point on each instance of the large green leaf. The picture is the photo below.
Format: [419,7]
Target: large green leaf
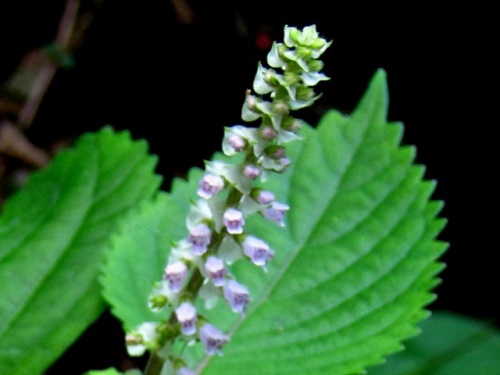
[354,268]
[358,259]
[140,250]
[53,235]
[450,344]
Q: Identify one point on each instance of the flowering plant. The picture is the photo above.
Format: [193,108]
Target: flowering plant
[297,250]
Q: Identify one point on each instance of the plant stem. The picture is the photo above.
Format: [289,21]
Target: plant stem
[154,365]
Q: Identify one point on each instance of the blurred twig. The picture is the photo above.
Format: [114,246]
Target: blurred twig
[14,143]
[31,81]
[183,11]
[49,67]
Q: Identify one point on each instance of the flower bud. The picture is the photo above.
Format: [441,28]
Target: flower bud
[280,107]
[251,171]
[263,196]
[276,152]
[268,132]
[237,142]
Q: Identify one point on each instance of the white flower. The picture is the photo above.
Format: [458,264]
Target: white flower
[138,340]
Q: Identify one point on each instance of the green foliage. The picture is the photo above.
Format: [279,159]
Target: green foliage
[53,236]
[112,371]
[354,268]
[449,344]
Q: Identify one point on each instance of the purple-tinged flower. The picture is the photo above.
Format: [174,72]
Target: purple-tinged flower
[175,273]
[258,251]
[199,238]
[185,371]
[251,171]
[216,270]
[233,221]
[264,197]
[237,295]
[210,185]
[186,315]
[276,212]
[213,339]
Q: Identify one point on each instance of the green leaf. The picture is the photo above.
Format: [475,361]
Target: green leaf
[449,344]
[112,371]
[354,267]
[357,262]
[139,253]
[53,235]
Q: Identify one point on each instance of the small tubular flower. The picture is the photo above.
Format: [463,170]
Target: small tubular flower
[276,212]
[236,295]
[186,315]
[258,251]
[175,273]
[234,221]
[213,339]
[199,238]
[216,270]
[210,185]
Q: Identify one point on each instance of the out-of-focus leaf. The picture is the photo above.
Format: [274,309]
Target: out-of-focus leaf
[53,236]
[449,344]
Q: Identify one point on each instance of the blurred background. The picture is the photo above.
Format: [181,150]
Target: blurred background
[174,72]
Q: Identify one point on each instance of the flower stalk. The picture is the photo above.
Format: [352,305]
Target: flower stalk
[199,266]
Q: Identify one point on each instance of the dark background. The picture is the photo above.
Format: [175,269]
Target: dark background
[177,85]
